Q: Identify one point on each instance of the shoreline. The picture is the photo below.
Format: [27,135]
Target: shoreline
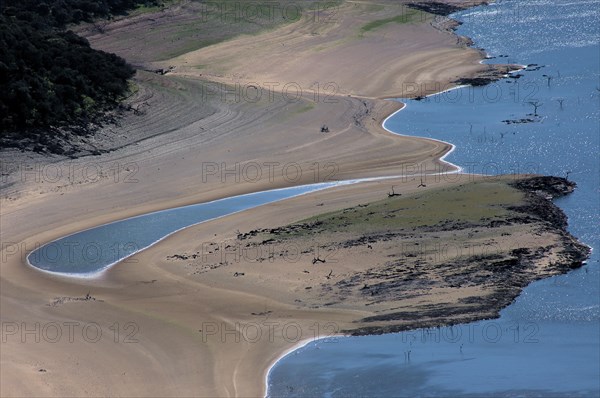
[457,168]
[114,271]
[580,253]
[300,345]
[98,274]
[95,275]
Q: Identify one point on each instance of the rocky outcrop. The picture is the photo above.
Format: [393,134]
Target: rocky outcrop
[510,273]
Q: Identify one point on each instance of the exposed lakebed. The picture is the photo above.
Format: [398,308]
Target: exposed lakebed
[546,342]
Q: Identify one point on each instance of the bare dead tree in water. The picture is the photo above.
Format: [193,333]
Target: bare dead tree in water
[536,105]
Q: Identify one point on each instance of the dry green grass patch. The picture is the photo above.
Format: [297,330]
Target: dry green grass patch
[472,202]
[407,16]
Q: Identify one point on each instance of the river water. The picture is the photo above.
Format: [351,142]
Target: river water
[547,343]
[88,253]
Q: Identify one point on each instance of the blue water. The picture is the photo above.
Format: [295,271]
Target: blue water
[547,343]
[92,251]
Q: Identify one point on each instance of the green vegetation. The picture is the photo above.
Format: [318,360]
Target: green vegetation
[151,6]
[305,108]
[211,22]
[469,203]
[49,76]
[374,7]
[409,16]
[44,14]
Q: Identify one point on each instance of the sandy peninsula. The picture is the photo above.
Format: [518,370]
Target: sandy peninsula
[160,325]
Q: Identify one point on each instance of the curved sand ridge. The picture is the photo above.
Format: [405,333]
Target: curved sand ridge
[406,57]
[178,131]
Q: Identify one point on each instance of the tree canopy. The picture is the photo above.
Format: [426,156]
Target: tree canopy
[51,77]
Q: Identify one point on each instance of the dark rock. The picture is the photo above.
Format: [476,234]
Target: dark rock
[434,7]
[475,81]
[553,186]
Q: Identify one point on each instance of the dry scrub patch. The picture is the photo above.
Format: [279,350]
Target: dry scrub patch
[440,256]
